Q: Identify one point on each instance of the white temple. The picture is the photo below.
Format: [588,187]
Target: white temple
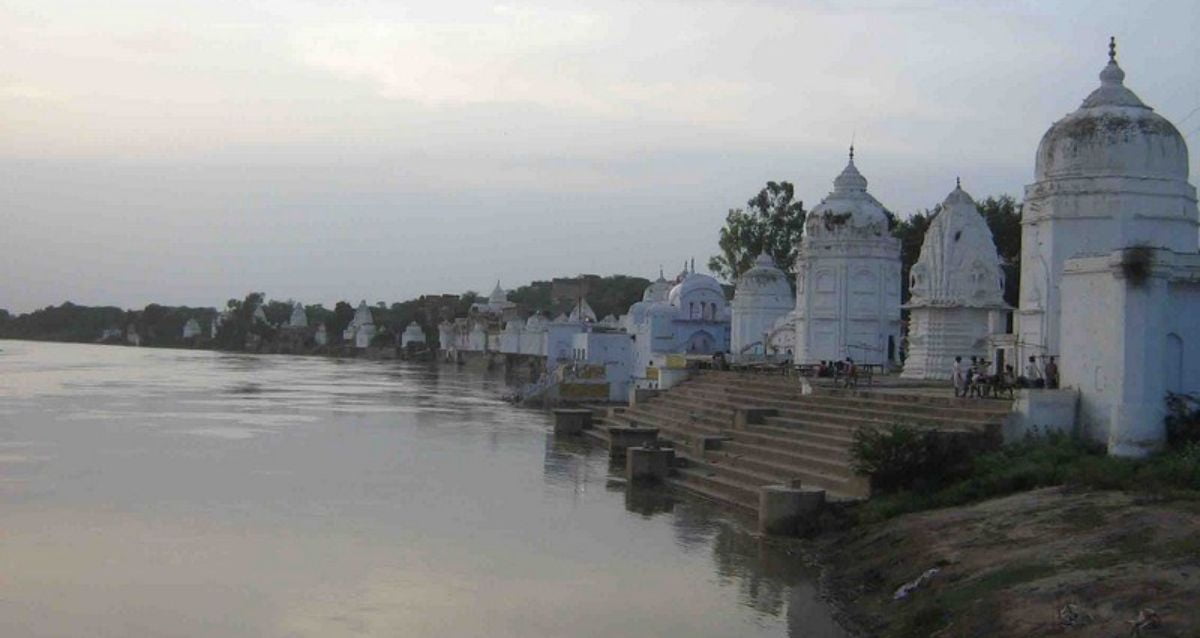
[847,278]
[362,328]
[299,318]
[693,318]
[321,336]
[412,334]
[191,328]
[957,290]
[260,314]
[1110,270]
[497,303]
[762,301]
[582,312]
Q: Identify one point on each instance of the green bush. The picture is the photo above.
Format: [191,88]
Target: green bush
[1044,461]
[1183,419]
[903,457]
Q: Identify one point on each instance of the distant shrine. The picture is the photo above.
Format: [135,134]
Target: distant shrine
[957,291]
[361,330]
[847,278]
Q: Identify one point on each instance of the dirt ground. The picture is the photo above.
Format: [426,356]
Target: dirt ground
[1045,563]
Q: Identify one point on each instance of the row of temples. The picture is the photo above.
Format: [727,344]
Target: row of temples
[1109,284]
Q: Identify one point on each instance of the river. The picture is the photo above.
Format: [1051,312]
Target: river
[148,492]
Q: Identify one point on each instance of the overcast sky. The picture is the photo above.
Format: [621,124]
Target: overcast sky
[185,153]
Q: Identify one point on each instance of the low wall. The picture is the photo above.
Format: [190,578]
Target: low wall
[1042,411]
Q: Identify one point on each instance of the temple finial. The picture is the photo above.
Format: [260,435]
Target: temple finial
[851,151]
[958,182]
[1112,49]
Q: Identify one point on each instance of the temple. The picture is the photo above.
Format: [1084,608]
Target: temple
[956,290]
[762,302]
[848,278]
[1110,270]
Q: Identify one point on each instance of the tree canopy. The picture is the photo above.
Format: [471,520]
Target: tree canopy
[772,222]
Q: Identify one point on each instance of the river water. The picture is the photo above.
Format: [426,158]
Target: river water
[183,493]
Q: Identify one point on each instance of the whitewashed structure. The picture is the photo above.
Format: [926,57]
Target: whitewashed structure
[362,327]
[260,315]
[299,318]
[496,304]
[582,312]
[321,337]
[412,334]
[694,318]
[192,328]
[1110,270]
[957,290]
[847,278]
[762,302]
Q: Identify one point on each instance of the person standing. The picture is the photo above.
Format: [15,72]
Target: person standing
[1033,374]
[1051,374]
[957,376]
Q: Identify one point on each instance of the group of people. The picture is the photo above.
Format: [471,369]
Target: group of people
[845,371]
[974,380]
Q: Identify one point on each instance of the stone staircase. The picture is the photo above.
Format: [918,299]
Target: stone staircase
[791,436]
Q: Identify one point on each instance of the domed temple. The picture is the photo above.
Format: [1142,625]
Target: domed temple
[956,288]
[762,301]
[1110,274]
[847,278]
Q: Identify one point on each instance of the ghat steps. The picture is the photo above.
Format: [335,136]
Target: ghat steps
[808,438]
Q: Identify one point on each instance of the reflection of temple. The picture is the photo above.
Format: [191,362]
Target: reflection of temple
[847,277]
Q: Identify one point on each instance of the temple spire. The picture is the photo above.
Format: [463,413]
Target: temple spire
[1112,49]
[958,182]
[852,152]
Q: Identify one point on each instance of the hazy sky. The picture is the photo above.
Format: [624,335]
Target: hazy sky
[188,152]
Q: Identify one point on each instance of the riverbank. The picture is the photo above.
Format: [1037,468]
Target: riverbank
[1047,562]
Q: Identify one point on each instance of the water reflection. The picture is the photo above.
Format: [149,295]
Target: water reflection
[157,492]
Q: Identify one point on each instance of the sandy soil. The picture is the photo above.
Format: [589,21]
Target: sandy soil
[1044,563]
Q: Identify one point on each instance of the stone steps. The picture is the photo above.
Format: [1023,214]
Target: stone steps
[809,439]
[969,409]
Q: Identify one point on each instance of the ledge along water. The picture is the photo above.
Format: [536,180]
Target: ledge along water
[188,493]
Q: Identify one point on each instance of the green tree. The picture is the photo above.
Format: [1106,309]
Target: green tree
[771,222]
[1003,215]
[911,233]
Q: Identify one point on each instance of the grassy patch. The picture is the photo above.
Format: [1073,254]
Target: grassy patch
[922,617]
[1044,462]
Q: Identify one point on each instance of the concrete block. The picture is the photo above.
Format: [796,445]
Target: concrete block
[701,443]
[622,438]
[648,464]
[743,417]
[572,421]
[641,395]
[784,509]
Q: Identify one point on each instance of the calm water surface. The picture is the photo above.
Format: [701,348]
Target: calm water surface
[178,493]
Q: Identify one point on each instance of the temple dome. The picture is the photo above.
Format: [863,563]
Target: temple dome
[498,295]
[658,289]
[691,283]
[764,281]
[1113,133]
[849,206]
[958,264]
